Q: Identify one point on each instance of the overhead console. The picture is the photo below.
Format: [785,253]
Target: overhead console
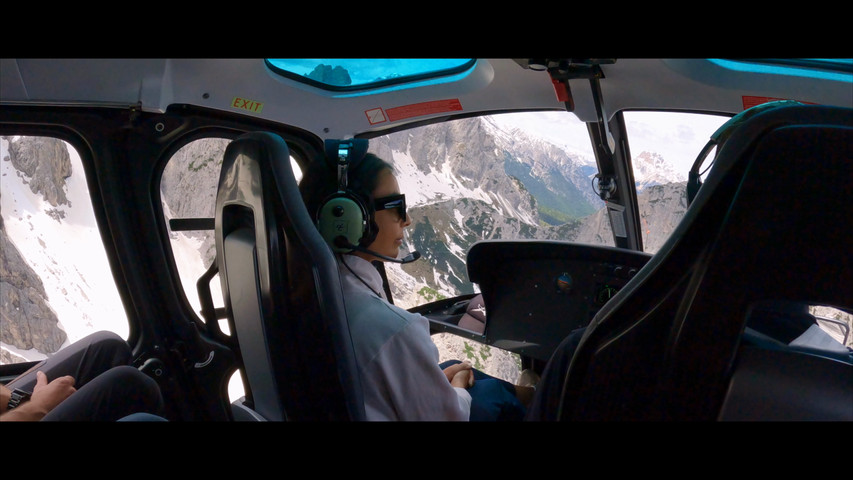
[537,292]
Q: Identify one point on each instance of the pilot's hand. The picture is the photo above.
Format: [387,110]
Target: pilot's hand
[47,395]
[460,375]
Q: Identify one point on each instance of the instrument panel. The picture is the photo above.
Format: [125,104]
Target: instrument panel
[537,292]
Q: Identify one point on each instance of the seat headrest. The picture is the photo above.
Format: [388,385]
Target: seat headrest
[719,137]
[726,129]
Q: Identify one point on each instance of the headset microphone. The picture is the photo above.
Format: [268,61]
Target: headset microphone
[411,257]
[341,242]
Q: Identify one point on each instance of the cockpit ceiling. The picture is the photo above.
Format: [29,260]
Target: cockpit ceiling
[248,86]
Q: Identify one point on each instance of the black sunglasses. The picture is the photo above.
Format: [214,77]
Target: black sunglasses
[392,201]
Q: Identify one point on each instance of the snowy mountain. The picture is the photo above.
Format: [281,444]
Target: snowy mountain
[652,169]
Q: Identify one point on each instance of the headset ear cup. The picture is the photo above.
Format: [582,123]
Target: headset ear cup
[694,182]
[342,215]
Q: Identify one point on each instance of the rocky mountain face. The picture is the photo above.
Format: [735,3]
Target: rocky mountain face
[661,208]
[45,164]
[27,320]
[463,154]
[25,314]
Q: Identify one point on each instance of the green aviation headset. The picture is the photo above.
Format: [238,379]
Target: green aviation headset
[343,219]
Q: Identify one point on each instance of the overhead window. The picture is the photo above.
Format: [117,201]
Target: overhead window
[838,69]
[350,74]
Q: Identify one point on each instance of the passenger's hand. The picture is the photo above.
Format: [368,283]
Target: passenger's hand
[463,379]
[460,375]
[47,395]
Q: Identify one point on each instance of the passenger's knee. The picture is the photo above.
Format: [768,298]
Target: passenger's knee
[129,382]
[106,338]
[130,376]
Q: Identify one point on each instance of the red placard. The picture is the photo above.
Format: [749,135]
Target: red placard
[752,100]
[425,108]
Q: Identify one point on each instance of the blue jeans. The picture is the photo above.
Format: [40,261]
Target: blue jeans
[492,399]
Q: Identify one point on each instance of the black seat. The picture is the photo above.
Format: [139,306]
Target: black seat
[770,224]
[282,291]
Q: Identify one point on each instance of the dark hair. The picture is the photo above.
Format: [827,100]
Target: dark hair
[320,180]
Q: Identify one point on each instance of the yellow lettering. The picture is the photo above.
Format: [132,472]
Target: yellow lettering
[246,104]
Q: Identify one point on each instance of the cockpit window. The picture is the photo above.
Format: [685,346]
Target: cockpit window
[349,74]
[664,146]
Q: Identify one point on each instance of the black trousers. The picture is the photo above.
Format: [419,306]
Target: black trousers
[108,388]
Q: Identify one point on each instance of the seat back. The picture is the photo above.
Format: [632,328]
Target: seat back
[281,289]
[770,224]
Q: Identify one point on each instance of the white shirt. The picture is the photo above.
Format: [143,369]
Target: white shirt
[397,360]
